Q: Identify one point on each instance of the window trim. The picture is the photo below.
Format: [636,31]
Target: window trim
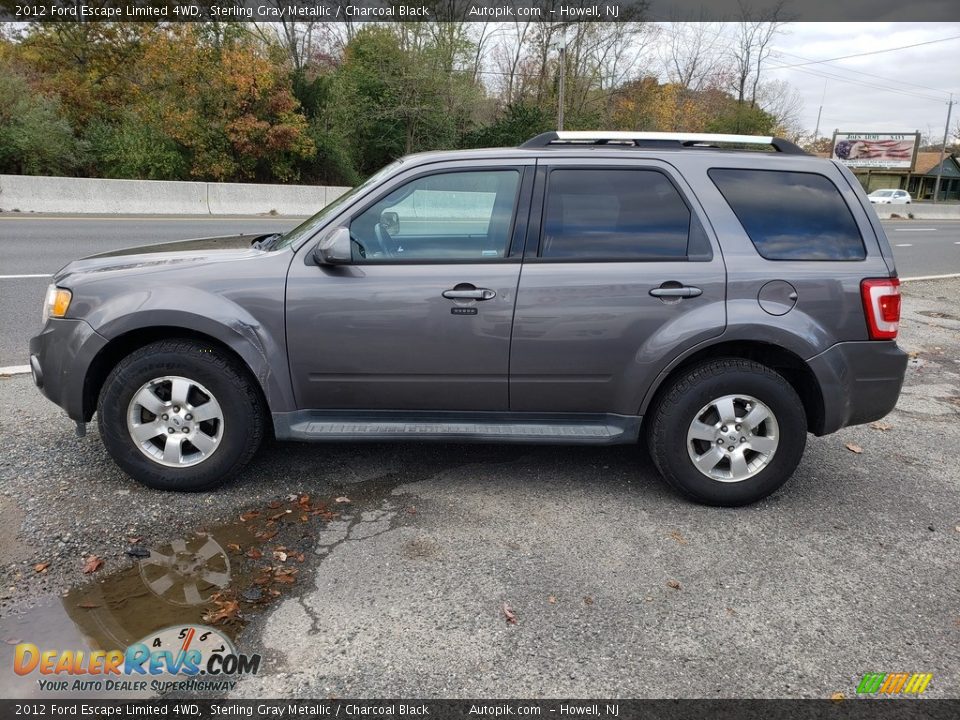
[543,196]
[853,217]
[523,185]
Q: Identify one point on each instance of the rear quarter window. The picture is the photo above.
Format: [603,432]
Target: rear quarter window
[791,215]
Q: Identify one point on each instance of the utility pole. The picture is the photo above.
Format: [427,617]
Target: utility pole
[563,74]
[816,132]
[943,148]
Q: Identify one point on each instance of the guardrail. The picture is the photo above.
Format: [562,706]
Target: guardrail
[40,194]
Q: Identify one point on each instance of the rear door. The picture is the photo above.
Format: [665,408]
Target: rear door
[420,319]
[619,276]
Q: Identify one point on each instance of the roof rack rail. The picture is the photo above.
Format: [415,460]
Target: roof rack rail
[658,139]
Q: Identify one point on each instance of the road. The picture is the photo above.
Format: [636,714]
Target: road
[619,587]
[32,247]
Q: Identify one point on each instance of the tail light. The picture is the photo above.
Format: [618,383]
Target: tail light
[881,305]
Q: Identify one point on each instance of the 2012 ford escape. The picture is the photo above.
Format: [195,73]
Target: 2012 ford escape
[719,296]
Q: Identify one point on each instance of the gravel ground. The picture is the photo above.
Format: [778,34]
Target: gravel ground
[852,567]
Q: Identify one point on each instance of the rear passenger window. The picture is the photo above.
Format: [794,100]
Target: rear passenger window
[791,215]
[616,215]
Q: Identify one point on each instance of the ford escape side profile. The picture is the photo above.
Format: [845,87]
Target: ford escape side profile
[717,296]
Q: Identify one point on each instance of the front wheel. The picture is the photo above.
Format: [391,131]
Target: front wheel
[728,432]
[180,415]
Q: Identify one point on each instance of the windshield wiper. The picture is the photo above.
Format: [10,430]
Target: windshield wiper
[266,241]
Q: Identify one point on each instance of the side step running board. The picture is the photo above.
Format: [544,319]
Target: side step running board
[590,429]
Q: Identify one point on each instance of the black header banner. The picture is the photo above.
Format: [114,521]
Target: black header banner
[471,10]
[301,709]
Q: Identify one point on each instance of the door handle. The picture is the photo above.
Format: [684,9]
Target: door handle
[682,291]
[474,294]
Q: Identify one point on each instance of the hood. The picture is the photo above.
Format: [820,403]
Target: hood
[146,258]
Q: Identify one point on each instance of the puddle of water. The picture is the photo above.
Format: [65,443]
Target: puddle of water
[212,578]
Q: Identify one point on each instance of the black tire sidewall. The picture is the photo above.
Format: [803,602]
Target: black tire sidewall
[204,366]
[673,421]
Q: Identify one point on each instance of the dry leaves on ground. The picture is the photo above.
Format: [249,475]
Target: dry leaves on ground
[41,567]
[509,614]
[92,564]
[880,425]
[854,448]
[678,537]
[673,584]
[225,611]
[250,515]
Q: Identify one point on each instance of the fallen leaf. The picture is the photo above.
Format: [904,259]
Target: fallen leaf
[678,537]
[299,557]
[304,517]
[88,605]
[274,504]
[225,611]
[233,547]
[673,584]
[249,515]
[587,600]
[731,611]
[254,554]
[265,536]
[41,567]
[878,425]
[837,697]
[509,614]
[92,564]
[854,448]
[134,540]
[342,499]
[13,641]
[279,515]
[285,575]
[552,600]
[279,555]
[412,510]
[304,502]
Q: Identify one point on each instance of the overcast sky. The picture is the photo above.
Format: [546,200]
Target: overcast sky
[896,103]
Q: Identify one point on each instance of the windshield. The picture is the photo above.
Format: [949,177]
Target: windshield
[882,193]
[308,227]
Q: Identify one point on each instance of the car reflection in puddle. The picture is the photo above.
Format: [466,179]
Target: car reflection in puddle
[204,583]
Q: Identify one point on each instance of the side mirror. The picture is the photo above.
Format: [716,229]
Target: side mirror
[390,221]
[335,248]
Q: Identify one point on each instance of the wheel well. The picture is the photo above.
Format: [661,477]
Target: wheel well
[123,345]
[789,365]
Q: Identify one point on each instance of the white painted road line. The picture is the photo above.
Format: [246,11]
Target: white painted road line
[930,277]
[14,369]
[20,277]
[904,245]
[915,229]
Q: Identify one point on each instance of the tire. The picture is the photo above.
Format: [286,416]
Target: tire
[763,457]
[211,447]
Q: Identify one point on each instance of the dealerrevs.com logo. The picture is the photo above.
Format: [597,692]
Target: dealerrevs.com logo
[171,659]
[894,683]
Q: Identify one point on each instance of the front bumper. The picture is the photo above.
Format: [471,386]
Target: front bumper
[860,382]
[59,359]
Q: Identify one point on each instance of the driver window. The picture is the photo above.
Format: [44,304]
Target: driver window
[449,216]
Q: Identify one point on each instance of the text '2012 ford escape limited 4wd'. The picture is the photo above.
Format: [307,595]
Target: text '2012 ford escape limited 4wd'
[720,296]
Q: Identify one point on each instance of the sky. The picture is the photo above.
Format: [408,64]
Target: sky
[886,100]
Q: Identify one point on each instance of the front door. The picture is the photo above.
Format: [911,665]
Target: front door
[421,319]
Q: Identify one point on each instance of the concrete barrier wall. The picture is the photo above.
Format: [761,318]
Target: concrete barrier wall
[38,194]
[920,211]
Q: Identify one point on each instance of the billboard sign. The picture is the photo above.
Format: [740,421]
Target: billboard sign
[876,150]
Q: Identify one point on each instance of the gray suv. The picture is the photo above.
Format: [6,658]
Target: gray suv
[719,296]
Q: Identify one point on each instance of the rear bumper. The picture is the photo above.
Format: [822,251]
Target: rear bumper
[59,358]
[860,382]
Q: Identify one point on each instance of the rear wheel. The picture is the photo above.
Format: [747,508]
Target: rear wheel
[728,432]
[180,415]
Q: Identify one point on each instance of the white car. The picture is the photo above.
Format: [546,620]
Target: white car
[890,197]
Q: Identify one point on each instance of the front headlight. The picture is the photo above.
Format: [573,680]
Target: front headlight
[56,303]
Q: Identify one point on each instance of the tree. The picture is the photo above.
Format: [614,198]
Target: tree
[34,138]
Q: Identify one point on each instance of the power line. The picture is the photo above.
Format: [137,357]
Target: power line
[852,81]
[874,52]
